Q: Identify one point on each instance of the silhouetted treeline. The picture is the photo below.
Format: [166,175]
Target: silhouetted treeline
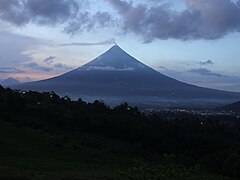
[213,144]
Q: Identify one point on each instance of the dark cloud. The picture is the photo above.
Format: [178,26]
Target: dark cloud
[204,63]
[20,12]
[71,13]
[49,60]
[10,70]
[202,19]
[163,68]
[87,21]
[36,66]
[54,11]
[13,11]
[63,66]
[107,42]
[205,72]
[121,5]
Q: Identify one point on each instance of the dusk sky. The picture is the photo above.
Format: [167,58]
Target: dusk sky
[195,41]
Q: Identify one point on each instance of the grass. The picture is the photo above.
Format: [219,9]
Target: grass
[36,155]
[39,155]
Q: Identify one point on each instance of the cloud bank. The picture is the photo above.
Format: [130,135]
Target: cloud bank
[50,60]
[200,19]
[86,21]
[63,66]
[53,12]
[10,70]
[204,78]
[21,12]
[205,72]
[36,66]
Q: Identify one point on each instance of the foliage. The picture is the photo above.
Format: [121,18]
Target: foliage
[211,143]
[169,171]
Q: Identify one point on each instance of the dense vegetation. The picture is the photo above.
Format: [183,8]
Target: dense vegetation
[185,145]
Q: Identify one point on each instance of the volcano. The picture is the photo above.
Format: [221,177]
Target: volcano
[117,76]
[9,82]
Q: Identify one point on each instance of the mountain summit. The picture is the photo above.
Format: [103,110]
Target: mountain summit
[9,82]
[115,59]
[117,76]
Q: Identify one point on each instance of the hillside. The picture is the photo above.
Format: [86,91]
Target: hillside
[232,107]
[37,155]
[43,136]
[34,154]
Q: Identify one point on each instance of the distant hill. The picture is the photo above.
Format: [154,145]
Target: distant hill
[232,107]
[9,82]
[115,76]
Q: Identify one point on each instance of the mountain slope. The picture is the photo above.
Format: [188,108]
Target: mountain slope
[9,82]
[117,74]
[232,107]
